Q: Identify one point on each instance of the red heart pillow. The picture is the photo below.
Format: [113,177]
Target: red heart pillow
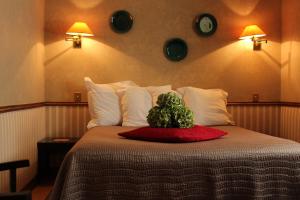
[195,134]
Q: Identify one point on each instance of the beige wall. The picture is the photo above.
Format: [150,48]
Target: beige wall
[21,52]
[290,75]
[21,81]
[220,61]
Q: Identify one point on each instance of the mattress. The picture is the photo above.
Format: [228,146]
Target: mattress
[241,165]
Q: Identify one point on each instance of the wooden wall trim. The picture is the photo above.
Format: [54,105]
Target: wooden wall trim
[11,108]
[66,104]
[266,103]
[229,103]
[290,104]
[271,103]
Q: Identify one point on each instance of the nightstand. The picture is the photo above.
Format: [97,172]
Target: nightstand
[51,152]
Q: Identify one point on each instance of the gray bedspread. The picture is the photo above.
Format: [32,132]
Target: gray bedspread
[242,165]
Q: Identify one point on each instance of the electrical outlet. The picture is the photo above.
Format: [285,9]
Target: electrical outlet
[77,96]
[255,97]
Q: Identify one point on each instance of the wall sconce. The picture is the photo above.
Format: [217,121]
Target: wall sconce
[254,33]
[76,32]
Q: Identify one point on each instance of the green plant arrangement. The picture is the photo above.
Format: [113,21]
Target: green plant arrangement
[170,112]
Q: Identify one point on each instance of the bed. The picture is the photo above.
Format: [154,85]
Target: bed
[241,165]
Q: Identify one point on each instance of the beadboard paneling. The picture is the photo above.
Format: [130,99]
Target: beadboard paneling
[66,121]
[71,121]
[263,119]
[290,123]
[19,133]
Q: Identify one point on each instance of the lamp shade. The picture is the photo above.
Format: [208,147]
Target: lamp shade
[80,28]
[252,31]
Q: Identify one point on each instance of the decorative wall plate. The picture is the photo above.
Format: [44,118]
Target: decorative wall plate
[176,49]
[205,24]
[121,21]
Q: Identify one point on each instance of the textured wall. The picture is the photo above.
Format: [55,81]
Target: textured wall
[220,61]
[69,121]
[19,133]
[290,72]
[21,52]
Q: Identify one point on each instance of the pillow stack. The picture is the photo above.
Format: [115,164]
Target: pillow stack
[125,103]
[121,103]
[104,103]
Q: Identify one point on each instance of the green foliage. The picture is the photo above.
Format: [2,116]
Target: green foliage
[170,112]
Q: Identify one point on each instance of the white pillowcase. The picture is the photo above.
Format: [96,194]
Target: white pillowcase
[137,101]
[155,91]
[208,106]
[104,103]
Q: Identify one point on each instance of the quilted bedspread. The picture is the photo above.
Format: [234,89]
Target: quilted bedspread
[241,165]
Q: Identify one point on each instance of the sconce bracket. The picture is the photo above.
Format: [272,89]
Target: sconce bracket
[257,43]
[76,40]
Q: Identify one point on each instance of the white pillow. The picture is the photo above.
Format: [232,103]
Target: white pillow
[136,103]
[208,106]
[104,103]
[155,91]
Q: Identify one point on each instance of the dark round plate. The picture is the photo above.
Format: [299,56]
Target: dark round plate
[176,49]
[121,21]
[205,24]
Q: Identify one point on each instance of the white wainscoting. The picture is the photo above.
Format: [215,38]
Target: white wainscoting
[71,121]
[66,121]
[19,133]
[290,123]
[263,119]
